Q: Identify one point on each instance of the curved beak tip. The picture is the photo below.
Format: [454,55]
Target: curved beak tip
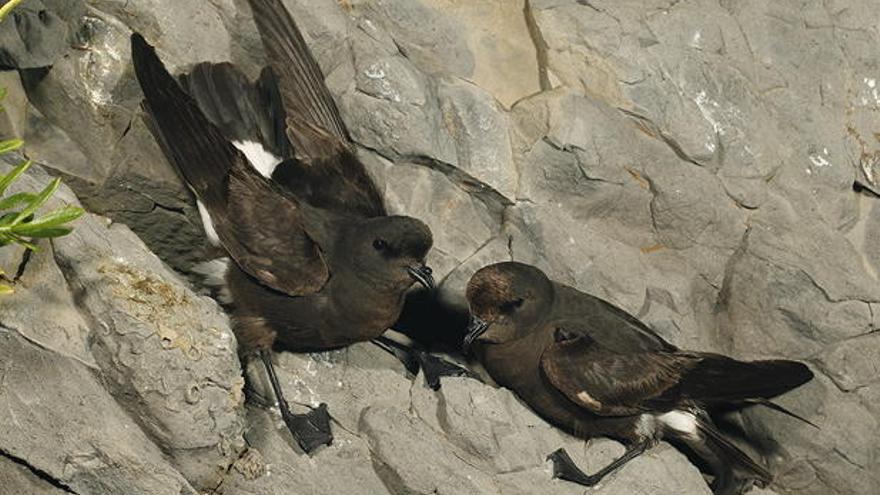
[422,274]
[476,327]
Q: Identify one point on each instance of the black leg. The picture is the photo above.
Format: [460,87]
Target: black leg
[565,469]
[253,395]
[401,352]
[433,367]
[311,430]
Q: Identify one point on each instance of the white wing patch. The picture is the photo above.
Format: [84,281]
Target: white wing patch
[259,157]
[262,161]
[589,400]
[210,231]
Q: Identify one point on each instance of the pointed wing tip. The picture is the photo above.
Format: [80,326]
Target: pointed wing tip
[800,373]
[143,56]
[139,44]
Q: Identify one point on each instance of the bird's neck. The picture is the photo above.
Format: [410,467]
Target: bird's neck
[525,352]
[371,309]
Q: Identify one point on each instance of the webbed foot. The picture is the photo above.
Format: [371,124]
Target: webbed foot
[564,467]
[310,430]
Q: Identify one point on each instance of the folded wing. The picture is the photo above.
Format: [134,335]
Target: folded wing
[612,383]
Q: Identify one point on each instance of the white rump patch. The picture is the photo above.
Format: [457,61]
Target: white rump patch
[213,238]
[680,421]
[213,273]
[259,157]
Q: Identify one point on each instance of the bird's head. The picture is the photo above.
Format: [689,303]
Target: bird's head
[390,251]
[507,301]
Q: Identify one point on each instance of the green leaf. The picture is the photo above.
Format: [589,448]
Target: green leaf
[7,179]
[7,219]
[50,220]
[5,290]
[38,201]
[49,232]
[2,93]
[20,240]
[7,7]
[10,145]
[16,199]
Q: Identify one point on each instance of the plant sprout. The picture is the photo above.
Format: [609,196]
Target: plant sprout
[19,222]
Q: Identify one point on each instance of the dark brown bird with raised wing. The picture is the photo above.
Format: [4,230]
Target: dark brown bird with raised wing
[316,262]
[594,370]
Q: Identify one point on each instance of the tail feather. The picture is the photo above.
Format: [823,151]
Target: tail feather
[719,378]
[776,407]
[727,450]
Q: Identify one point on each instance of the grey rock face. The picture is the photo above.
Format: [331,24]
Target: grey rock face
[395,435]
[14,116]
[89,126]
[126,358]
[481,132]
[709,166]
[74,431]
[39,32]
[17,478]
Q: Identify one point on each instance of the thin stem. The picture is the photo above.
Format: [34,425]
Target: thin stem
[7,8]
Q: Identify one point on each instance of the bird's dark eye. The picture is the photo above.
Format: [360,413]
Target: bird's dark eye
[510,306]
[380,244]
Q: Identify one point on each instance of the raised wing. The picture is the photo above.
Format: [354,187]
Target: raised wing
[260,227]
[326,173]
[304,95]
[243,110]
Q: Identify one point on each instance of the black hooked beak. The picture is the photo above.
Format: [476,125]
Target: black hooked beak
[421,273]
[476,327]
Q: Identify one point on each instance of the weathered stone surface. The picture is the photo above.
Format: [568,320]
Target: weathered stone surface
[14,115]
[398,111]
[710,166]
[61,420]
[853,363]
[170,352]
[90,127]
[442,48]
[39,32]
[97,299]
[394,435]
[498,37]
[17,478]
[481,132]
